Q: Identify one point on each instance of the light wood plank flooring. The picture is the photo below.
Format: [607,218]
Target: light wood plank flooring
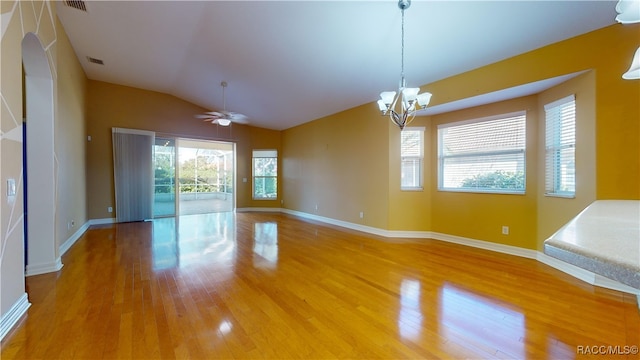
[254,285]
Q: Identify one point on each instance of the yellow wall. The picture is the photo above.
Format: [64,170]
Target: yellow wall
[69,81]
[71,203]
[609,132]
[409,210]
[340,164]
[481,216]
[554,212]
[608,51]
[112,105]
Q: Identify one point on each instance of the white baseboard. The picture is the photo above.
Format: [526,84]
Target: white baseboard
[45,268]
[15,313]
[344,224]
[259,209]
[406,234]
[73,238]
[614,285]
[579,273]
[102,221]
[487,245]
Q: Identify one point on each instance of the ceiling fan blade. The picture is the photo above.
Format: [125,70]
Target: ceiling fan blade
[224,117]
[239,118]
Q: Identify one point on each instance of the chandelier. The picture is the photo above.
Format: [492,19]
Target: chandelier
[629,13]
[402,106]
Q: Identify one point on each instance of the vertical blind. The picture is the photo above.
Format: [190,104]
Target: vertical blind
[133,174]
[483,155]
[560,147]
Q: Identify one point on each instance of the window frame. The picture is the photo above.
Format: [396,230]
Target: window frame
[479,154]
[557,148]
[413,158]
[254,176]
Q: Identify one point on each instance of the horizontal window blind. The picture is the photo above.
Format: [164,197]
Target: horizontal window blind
[411,153]
[265,174]
[560,142]
[484,155]
[265,153]
[411,144]
[410,177]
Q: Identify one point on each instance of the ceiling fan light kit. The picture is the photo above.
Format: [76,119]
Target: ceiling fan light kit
[224,117]
[401,106]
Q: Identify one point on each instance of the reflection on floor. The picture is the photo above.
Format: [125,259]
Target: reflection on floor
[473,320]
[256,285]
[184,240]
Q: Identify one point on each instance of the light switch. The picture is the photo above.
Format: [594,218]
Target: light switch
[11,187]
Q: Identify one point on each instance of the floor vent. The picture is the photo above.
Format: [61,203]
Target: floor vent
[95,61]
[76,4]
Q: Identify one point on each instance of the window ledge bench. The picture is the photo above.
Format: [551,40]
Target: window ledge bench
[604,239]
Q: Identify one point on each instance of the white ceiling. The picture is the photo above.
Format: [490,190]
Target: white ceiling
[290,62]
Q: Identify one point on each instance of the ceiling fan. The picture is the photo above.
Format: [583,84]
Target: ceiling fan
[224,117]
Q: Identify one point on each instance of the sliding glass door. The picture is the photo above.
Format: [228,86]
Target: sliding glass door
[193,177]
[206,173]
[164,194]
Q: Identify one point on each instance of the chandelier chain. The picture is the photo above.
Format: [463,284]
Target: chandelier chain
[402,53]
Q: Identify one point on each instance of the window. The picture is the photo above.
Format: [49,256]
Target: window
[411,152]
[265,174]
[483,155]
[560,147]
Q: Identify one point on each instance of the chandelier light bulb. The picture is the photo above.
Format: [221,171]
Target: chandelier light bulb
[634,71]
[628,11]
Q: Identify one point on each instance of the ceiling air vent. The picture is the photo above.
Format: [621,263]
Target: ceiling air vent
[95,61]
[76,4]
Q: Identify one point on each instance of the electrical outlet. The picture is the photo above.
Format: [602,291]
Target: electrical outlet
[361,215]
[110,209]
[316,206]
[505,230]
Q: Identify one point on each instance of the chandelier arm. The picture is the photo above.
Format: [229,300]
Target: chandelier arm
[395,101]
[409,117]
[395,117]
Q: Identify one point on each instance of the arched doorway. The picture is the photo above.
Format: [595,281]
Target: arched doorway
[42,252]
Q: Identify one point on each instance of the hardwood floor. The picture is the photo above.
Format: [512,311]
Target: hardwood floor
[254,285]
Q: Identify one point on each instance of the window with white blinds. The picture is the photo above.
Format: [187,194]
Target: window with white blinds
[560,147]
[411,153]
[483,155]
[265,174]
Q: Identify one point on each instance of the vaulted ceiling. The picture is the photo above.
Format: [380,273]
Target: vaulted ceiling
[290,62]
